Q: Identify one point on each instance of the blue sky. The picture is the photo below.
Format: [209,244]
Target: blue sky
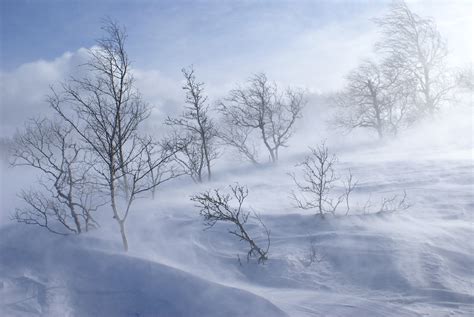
[166,33]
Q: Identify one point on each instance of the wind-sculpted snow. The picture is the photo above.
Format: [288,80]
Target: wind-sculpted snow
[414,262]
[45,276]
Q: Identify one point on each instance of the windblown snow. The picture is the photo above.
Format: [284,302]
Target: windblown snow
[415,262]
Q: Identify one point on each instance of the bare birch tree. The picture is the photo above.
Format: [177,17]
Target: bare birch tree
[195,130]
[259,108]
[414,44]
[106,110]
[63,202]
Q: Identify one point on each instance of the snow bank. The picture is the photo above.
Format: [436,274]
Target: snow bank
[45,275]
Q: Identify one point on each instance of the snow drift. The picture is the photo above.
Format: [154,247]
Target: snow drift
[43,275]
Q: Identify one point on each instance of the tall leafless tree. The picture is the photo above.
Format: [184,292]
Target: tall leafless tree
[64,201]
[196,130]
[414,44]
[376,97]
[106,111]
[260,108]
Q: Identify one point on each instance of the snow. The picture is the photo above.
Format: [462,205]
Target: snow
[416,262]
[45,276]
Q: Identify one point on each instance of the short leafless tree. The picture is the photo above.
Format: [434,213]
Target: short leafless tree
[215,206]
[64,201]
[106,111]
[318,179]
[376,97]
[195,130]
[317,186]
[260,110]
[413,44]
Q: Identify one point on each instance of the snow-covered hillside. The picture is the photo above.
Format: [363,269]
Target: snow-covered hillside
[416,262]
[236,158]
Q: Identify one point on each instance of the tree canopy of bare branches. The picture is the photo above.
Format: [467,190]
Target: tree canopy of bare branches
[106,110]
[63,202]
[259,108]
[414,44]
[195,130]
[376,97]
[215,206]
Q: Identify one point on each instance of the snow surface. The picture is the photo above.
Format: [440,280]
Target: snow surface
[417,262]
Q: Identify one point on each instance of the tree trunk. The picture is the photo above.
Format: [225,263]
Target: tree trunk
[208,160]
[270,150]
[121,222]
[124,236]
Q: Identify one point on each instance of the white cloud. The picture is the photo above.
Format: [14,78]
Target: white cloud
[24,90]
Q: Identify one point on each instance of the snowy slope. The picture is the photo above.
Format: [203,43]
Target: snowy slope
[418,262]
[46,276]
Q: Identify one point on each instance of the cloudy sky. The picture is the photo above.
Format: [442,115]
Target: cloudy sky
[311,44]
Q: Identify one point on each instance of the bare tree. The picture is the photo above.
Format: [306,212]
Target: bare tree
[65,194]
[106,110]
[196,130]
[318,180]
[216,206]
[414,44]
[260,107]
[376,97]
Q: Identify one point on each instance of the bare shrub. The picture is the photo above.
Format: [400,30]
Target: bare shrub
[393,203]
[215,206]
